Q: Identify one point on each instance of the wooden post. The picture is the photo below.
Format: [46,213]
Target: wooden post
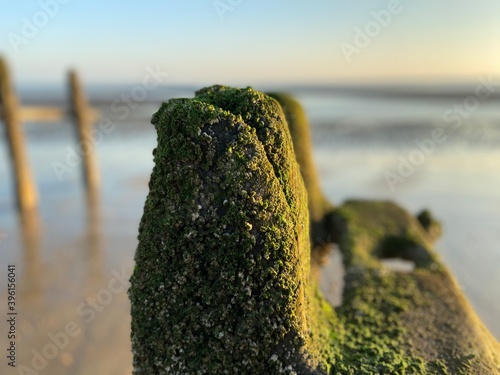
[84,122]
[27,195]
[32,262]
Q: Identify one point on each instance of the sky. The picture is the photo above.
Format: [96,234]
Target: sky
[249,42]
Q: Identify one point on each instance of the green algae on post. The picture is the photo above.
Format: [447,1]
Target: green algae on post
[430,224]
[221,283]
[222,280]
[403,323]
[320,209]
[302,145]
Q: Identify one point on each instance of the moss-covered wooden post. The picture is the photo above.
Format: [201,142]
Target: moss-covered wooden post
[222,279]
[84,124]
[320,209]
[302,145]
[27,195]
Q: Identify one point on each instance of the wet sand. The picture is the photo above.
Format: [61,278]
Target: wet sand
[73,309]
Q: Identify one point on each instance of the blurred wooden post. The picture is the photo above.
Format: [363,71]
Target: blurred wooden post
[27,195]
[84,122]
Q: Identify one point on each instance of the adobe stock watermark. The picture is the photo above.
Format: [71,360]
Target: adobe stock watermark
[58,341]
[477,132]
[460,111]
[363,36]
[454,118]
[121,106]
[31,26]
[223,6]
[406,166]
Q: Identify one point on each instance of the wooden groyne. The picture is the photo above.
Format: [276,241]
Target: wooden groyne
[13,115]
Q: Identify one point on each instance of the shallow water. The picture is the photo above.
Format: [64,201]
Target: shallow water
[72,257]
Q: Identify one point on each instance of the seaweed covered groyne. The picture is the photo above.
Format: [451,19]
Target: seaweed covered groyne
[222,282]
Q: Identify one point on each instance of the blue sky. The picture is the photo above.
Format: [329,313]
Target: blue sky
[251,41]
